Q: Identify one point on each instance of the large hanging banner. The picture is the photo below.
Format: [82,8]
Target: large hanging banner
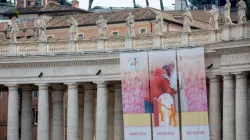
[193,95]
[135,87]
[153,101]
[164,95]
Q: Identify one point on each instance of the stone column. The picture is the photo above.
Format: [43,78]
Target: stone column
[118,113]
[241,107]
[111,104]
[57,120]
[88,115]
[43,112]
[228,108]
[248,103]
[214,109]
[65,113]
[80,113]
[101,112]
[26,119]
[72,115]
[50,114]
[13,119]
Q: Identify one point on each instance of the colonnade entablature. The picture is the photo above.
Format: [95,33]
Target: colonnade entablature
[55,46]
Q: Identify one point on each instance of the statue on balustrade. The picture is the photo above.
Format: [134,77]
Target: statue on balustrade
[187,21]
[73,28]
[158,24]
[242,11]
[102,26]
[214,17]
[41,29]
[130,23]
[227,13]
[13,28]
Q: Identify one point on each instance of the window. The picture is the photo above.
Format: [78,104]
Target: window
[81,35]
[35,94]
[35,119]
[38,2]
[21,4]
[29,3]
[143,30]
[115,33]
[1,94]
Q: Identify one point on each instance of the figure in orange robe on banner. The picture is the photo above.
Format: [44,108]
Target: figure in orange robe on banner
[161,113]
[172,115]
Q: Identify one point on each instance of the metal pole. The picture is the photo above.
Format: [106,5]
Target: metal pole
[178,93]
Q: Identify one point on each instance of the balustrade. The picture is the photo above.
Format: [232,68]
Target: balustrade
[168,39]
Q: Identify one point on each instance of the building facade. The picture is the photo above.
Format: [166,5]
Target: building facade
[80,91]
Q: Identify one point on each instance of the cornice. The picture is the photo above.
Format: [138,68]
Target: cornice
[59,63]
[219,52]
[60,79]
[228,44]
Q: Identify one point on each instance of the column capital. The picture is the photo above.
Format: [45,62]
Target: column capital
[88,86]
[227,76]
[42,86]
[117,85]
[101,84]
[240,75]
[72,85]
[214,78]
[12,86]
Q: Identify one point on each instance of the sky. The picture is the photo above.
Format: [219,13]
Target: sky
[125,3]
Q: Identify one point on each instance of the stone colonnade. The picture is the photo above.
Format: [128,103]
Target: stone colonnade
[233,125]
[94,125]
[92,122]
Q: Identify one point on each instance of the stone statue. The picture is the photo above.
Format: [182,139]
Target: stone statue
[102,26]
[130,23]
[73,28]
[41,29]
[187,21]
[13,28]
[241,11]
[158,24]
[227,13]
[214,16]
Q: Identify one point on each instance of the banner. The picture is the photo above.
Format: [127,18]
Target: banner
[193,95]
[153,101]
[164,95]
[135,87]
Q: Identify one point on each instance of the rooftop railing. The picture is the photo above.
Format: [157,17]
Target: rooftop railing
[146,41]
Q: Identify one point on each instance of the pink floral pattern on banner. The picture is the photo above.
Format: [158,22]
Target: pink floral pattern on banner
[192,65]
[134,90]
[196,95]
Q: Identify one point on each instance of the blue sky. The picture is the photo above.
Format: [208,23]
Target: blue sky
[125,3]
